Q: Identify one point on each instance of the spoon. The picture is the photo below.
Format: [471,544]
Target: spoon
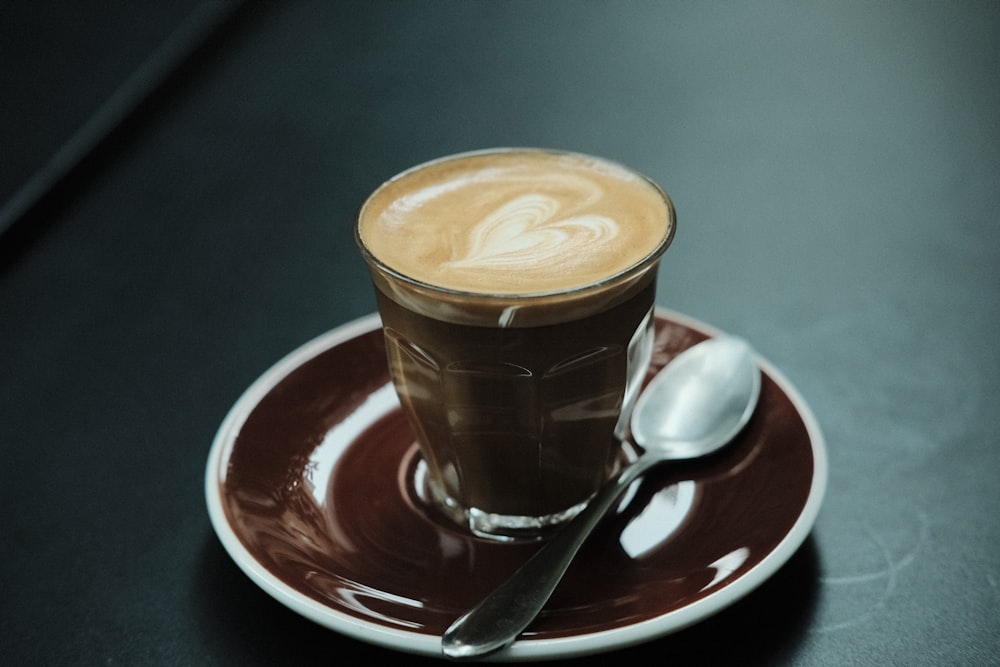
[694,406]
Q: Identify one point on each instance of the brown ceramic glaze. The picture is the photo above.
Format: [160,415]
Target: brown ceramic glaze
[325,498]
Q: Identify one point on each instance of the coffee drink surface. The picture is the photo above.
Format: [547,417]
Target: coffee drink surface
[516,290]
[515,223]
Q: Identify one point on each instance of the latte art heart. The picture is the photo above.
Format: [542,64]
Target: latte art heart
[527,232]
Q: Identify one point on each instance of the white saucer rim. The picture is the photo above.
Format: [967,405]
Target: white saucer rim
[529,649]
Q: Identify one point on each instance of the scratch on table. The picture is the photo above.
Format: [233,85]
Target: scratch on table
[889,573]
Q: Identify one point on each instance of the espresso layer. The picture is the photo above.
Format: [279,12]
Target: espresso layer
[515,222]
[517,421]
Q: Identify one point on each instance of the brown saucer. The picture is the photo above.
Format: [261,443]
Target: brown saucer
[313,488]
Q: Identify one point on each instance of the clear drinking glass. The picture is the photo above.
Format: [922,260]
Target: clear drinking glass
[518,399]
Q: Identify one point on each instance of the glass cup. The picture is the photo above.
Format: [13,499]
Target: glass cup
[516,373]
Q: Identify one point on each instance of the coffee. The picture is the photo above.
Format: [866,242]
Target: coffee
[516,290]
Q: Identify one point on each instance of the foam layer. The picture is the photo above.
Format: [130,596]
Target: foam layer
[515,222]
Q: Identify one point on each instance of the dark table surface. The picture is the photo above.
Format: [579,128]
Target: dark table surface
[180,189]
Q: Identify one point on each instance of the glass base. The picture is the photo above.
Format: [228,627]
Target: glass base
[488,525]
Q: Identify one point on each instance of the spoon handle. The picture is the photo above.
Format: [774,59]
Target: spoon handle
[509,609]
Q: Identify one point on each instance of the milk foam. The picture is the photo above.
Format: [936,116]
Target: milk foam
[515,222]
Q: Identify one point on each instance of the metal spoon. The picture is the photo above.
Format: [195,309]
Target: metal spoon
[694,406]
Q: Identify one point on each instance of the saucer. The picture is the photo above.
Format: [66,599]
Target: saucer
[313,487]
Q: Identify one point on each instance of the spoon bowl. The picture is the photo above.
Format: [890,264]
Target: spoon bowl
[694,406]
[699,401]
